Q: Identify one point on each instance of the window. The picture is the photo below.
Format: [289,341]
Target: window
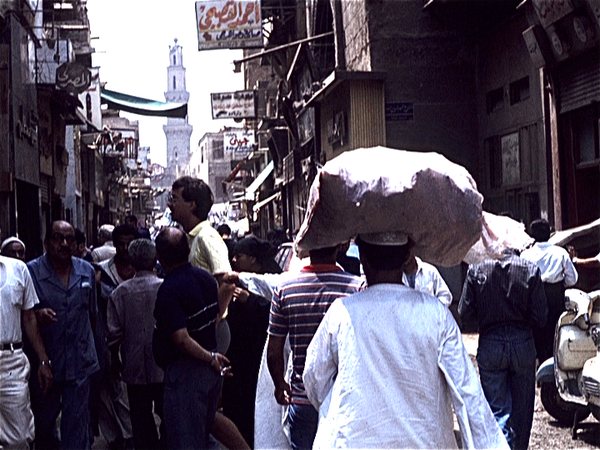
[217,150]
[174,60]
[585,136]
[494,100]
[174,84]
[519,90]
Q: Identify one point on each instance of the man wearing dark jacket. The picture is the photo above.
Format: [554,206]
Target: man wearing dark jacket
[506,298]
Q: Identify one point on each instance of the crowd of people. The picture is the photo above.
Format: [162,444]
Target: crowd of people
[206,333]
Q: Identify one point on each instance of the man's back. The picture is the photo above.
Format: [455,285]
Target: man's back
[131,323]
[500,292]
[382,366]
[298,307]
[554,263]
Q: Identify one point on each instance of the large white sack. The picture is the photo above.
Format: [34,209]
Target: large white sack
[379,189]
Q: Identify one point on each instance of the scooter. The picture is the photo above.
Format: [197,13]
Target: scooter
[570,382]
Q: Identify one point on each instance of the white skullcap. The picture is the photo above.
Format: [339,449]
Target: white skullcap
[10,240]
[387,238]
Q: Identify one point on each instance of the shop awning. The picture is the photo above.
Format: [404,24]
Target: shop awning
[258,181]
[265,202]
[142,106]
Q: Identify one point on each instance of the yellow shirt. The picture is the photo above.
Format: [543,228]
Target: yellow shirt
[208,250]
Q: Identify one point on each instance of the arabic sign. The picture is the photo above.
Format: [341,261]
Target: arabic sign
[233,105]
[228,24]
[397,111]
[238,142]
[73,77]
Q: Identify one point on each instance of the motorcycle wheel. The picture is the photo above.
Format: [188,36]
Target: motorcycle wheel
[562,411]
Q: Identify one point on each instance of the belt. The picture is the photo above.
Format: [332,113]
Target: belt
[11,346]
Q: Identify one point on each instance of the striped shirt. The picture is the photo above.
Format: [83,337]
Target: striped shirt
[298,307]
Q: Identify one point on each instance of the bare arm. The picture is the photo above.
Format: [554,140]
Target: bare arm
[276,366]
[32,330]
[187,345]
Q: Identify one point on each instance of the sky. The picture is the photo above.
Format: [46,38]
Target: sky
[132,39]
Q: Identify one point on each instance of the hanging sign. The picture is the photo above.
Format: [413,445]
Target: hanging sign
[228,24]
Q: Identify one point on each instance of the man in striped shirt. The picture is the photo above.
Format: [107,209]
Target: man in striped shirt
[299,304]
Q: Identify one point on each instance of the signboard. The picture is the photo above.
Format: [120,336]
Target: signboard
[228,24]
[397,111]
[73,77]
[511,168]
[239,142]
[233,105]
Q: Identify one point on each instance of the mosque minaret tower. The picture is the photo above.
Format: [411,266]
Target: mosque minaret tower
[177,131]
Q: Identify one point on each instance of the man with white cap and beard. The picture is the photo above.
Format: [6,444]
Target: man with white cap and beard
[387,365]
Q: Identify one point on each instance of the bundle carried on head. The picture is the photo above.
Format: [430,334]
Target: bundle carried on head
[432,200]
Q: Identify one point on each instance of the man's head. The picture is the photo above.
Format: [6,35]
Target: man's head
[383,255]
[250,253]
[325,255]
[540,230]
[122,237]
[105,233]
[172,248]
[79,243]
[13,247]
[60,241]
[190,196]
[131,220]
[143,254]
[224,231]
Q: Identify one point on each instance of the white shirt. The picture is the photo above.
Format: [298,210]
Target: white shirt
[385,368]
[16,294]
[554,263]
[429,280]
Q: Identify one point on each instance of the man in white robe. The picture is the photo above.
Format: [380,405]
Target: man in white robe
[387,365]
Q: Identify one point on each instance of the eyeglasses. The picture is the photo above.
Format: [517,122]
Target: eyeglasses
[59,238]
[172,199]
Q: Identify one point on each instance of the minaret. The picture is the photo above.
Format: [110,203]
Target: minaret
[177,131]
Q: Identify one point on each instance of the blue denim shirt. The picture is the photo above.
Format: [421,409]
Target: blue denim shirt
[69,341]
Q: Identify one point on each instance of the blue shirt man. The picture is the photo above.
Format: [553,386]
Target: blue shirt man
[67,311]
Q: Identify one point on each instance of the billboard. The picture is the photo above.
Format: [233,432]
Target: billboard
[228,24]
[233,105]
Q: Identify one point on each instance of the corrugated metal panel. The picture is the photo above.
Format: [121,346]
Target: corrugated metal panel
[579,83]
[368,114]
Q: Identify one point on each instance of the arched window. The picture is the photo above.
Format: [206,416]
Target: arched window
[174,60]
[174,84]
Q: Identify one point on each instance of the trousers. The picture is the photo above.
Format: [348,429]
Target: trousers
[506,360]
[16,418]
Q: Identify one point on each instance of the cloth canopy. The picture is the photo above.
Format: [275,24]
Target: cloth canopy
[143,106]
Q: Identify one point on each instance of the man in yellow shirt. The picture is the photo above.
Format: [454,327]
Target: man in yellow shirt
[190,202]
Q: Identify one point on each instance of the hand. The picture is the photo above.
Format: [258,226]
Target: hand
[240,295]
[231,277]
[45,378]
[221,364]
[282,393]
[45,316]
